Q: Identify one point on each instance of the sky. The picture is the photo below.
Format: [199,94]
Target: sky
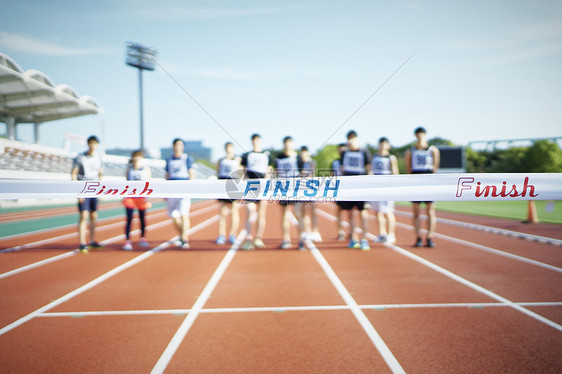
[465,70]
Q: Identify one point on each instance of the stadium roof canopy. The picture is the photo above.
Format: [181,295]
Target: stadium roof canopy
[32,97]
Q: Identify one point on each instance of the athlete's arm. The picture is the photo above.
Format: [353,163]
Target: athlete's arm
[436,158]
[408,160]
[394,165]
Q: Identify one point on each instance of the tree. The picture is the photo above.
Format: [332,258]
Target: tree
[324,158]
[544,156]
[475,161]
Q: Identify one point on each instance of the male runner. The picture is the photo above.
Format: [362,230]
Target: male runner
[87,166]
[256,164]
[228,167]
[383,163]
[180,167]
[336,170]
[309,227]
[289,165]
[356,161]
[423,159]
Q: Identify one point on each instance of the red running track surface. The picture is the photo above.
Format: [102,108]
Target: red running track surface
[480,301]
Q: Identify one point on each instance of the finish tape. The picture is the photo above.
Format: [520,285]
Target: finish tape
[420,187]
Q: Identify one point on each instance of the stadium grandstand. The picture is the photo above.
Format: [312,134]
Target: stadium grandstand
[32,97]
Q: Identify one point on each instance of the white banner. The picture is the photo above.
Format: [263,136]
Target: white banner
[421,187]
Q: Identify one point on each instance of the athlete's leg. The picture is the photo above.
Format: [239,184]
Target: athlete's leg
[431,219]
[223,209]
[235,217]
[262,209]
[129,222]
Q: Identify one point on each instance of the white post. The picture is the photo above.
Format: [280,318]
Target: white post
[11,128]
[36,139]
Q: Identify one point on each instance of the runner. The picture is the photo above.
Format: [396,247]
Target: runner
[356,161]
[308,222]
[180,167]
[336,171]
[256,164]
[289,165]
[423,159]
[228,167]
[87,166]
[383,163]
[136,171]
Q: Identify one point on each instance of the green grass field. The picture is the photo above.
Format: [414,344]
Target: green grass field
[548,212]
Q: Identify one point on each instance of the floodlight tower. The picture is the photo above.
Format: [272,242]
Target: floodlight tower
[142,58]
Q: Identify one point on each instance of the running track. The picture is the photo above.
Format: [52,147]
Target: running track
[488,298]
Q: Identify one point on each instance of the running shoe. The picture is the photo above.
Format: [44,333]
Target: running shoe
[184,244]
[286,244]
[248,246]
[354,244]
[365,245]
[316,237]
[429,243]
[95,245]
[391,239]
[382,238]
[301,245]
[83,248]
[128,246]
[232,239]
[418,243]
[341,237]
[258,243]
[143,243]
[221,240]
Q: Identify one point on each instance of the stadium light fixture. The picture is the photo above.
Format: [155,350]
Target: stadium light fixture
[142,58]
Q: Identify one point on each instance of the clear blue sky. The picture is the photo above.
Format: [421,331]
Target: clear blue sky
[480,70]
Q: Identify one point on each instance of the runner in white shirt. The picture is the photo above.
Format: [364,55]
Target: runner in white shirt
[383,163]
[180,167]
[228,167]
[356,161]
[423,159]
[256,164]
[136,171]
[87,166]
[289,165]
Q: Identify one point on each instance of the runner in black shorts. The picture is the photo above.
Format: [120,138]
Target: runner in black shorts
[356,161]
[336,171]
[87,166]
[423,159]
[288,165]
[256,164]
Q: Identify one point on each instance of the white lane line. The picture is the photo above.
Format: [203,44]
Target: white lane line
[185,326]
[282,309]
[474,286]
[37,264]
[491,229]
[490,250]
[463,242]
[376,339]
[100,279]
[101,228]
[104,242]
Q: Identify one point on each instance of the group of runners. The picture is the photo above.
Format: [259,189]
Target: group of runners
[259,163]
